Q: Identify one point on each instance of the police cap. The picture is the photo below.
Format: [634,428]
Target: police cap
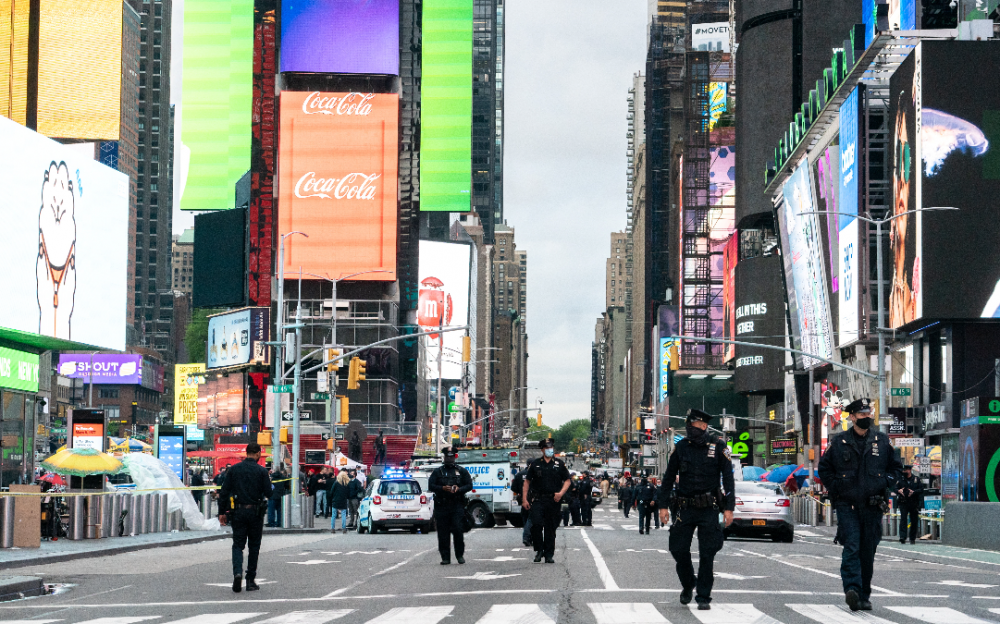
[546,443]
[907,466]
[449,451]
[858,406]
[697,414]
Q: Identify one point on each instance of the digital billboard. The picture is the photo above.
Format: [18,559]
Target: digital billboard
[14,33]
[902,16]
[668,325]
[957,165]
[444,275]
[187,378]
[220,259]
[711,37]
[730,257]
[760,318]
[446,106]
[170,450]
[238,338]
[18,370]
[904,154]
[848,241]
[216,100]
[338,166]
[802,251]
[76,104]
[107,368]
[222,401]
[64,242]
[340,36]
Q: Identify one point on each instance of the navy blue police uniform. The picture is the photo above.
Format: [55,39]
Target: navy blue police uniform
[545,479]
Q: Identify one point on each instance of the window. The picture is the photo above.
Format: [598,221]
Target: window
[108,393]
[399,488]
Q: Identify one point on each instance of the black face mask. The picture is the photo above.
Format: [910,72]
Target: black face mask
[696,434]
[863,423]
[449,460]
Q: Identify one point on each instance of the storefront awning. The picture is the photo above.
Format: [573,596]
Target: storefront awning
[41,343]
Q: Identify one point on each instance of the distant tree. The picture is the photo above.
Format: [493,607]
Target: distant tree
[196,334]
[536,433]
[572,433]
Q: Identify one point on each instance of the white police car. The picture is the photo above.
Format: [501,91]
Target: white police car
[395,500]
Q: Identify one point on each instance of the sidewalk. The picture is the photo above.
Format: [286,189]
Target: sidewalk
[67,550]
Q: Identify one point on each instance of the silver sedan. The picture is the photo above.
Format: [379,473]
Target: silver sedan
[762,509]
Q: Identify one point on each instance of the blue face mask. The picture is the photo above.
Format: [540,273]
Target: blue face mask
[550,452]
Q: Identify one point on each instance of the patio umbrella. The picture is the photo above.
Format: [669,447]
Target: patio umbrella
[53,478]
[753,473]
[82,462]
[780,474]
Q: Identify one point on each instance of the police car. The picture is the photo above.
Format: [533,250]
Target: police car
[395,500]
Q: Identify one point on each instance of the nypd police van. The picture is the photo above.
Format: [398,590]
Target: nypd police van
[491,498]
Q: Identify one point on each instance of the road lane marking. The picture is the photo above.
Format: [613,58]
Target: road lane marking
[121,620]
[938,615]
[833,614]
[413,615]
[823,572]
[521,614]
[307,617]
[483,576]
[732,614]
[627,613]
[602,567]
[962,584]
[343,590]
[217,618]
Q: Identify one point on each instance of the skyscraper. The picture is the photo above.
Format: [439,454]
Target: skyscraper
[487,113]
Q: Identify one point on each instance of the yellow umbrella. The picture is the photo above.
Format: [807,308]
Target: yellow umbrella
[82,462]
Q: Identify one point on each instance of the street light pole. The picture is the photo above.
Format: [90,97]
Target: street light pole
[278,355]
[296,507]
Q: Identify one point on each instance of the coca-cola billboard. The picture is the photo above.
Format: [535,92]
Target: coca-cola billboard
[337,182]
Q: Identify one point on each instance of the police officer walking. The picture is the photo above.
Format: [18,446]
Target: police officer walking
[645,497]
[909,495]
[858,468]
[702,461]
[545,484]
[450,483]
[243,502]
[584,491]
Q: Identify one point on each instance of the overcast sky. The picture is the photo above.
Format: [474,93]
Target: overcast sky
[569,68]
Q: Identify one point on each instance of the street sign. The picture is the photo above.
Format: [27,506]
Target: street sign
[283,389]
[900,392]
[288,416]
[320,396]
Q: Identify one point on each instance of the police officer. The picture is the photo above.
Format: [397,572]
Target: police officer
[645,495]
[909,494]
[243,503]
[858,468]
[450,483]
[584,490]
[517,487]
[702,461]
[545,485]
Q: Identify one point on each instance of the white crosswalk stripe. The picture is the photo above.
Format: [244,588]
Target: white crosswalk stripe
[307,617]
[521,614]
[215,618]
[938,615]
[29,621]
[413,615]
[627,613]
[835,614]
[722,613]
[121,620]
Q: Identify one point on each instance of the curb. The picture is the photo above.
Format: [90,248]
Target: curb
[90,554]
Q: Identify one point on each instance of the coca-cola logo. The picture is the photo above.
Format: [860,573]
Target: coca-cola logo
[351,186]
[353,103]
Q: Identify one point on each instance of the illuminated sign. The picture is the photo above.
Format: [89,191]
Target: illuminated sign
[107,368]
[338,169]
[444,277]
[340,36]
[187,377]
[18,370]
[88,436]
[238,338]
[849,295]
[446,106]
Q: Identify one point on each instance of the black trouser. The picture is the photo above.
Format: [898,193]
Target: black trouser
[626,505]
[574,510]
[586,511]
[450,523]
[911,514]
[646,511]
[525,525]
[706,521]
[248,530]
[859,530]
[564,511]
[544,521]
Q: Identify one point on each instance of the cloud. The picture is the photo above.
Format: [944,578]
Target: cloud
[569,67]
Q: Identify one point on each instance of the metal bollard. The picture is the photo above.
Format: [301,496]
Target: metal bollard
[286,511]
[129,510]
[828,515]
[164,514]
[145,506]
[107,501]
[206,506]
[92,511]
[77,518]
[308,512]
[116,512]
[7,526]
[154,513]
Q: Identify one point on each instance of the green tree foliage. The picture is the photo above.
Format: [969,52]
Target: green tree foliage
[535,433]
[572,433]
[196,334]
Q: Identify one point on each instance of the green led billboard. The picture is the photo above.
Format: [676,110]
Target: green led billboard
[18,370]
[216,99]
[446,106]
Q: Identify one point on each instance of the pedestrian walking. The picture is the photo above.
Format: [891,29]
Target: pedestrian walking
[626,493]
[645,501]
[545,485]
[340,490]
[449,483]
[585,489]
[322,481]
[571,501]
[198,481]
[909,500]
[242,500]
[517,487]
[605,486]
[858,468]
[701,461]
[355,493]
[655,505]
[280,487]
[379,449]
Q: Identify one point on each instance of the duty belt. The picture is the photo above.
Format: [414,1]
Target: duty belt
[698,501]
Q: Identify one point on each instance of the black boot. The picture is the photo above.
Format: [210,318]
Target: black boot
[251,584]
[538,557]
[238,583]
[687,595]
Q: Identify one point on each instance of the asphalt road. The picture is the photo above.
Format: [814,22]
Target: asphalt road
[607,573]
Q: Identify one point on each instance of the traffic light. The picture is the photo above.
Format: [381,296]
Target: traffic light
[638,423]
[675,360]
[331,354]
[466,349]
[539,419]
[345,406]
[356,373]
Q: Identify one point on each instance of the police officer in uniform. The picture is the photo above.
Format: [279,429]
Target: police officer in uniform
[858,468]
[243,503]
[450,483]
[703,462]
[909,495]
[584,489]
[645,496]
[545,485]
